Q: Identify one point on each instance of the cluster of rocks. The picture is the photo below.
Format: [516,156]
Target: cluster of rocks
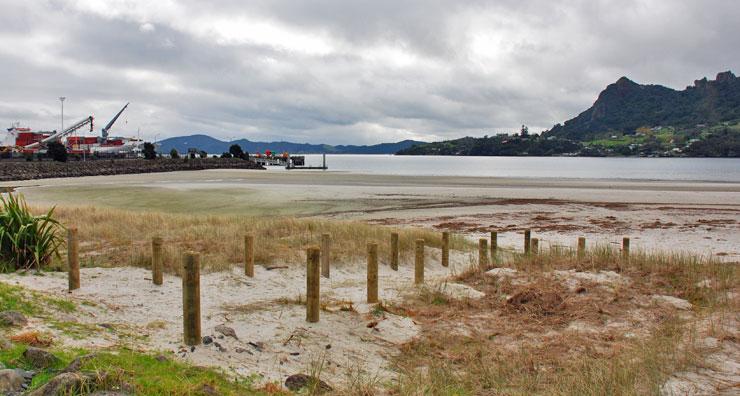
[24,170]
[67,381]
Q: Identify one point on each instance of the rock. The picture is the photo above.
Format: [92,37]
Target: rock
[13,318]
[502,272]
[396,329]
[5,344]
[27,376]
[259,346]
[10,381]
[63,384]
[161,358]
[670,301]
[209,390]
[297,382]
[76,364]
[227,331]
[207,340]
[39,358]
[459,291]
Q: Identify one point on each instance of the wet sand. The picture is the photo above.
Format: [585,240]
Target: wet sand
[696,217]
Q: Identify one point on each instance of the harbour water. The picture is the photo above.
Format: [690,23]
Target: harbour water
[668,169]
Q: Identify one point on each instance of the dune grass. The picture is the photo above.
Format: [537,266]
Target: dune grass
[538,355]
[114,237]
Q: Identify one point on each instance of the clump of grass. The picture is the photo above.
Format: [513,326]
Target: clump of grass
[472,367]
[148,375]
[115,237]
[26,240]
[702,280]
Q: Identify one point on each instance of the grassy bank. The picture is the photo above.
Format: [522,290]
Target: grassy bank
[112,237]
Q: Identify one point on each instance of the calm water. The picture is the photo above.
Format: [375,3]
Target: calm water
[704,169]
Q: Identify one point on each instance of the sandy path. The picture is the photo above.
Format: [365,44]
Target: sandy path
[274,340]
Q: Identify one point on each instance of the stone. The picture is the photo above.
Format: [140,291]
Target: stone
[670,301]
[76,364]
[227,331]
[460,291]
[63,384]
[5,344]
[296,382]
[207,340]
[208,390]
[10,381]
[13,318]
[39,358]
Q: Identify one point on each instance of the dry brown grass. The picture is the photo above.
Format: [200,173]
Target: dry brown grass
[534,335]
[113,237]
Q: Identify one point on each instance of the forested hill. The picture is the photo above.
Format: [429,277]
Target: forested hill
[627,119]
[626,106]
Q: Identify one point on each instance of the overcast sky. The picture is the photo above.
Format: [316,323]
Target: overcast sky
[342,71]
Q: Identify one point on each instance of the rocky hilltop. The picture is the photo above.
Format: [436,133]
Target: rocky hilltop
[626,105]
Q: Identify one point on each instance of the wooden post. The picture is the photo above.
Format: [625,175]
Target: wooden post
[419,262]
[313,283]
[527,241]
[625,247]
[325,254]
[191,298]
[394,251]
[581,247]
[483,253]
[535,245]
[157,260]
[445,249]
[249,255]
[73,259]
[372,273]
[494,246]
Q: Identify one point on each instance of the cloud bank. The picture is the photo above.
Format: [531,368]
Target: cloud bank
[345,72]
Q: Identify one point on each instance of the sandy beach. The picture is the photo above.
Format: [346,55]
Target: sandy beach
[697,217]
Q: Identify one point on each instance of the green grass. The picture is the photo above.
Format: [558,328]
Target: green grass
[14,298]
[150,376]
[146,374]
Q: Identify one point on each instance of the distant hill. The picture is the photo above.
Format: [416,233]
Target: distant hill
[627,119]
[625,106]
[214,146]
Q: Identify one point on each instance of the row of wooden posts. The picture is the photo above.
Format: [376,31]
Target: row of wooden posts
[318,263]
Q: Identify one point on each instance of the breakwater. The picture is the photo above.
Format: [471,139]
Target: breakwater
[25,170]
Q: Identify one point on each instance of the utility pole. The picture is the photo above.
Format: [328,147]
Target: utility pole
[61,99]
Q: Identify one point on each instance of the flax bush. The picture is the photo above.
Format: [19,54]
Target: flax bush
[26,240]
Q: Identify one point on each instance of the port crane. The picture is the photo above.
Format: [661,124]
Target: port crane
[57,136]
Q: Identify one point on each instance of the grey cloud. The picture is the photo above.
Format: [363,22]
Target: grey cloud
[540,62]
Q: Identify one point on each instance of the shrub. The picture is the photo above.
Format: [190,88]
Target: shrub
[57,151]
[150,152]
[236,151]
[26,240]
[174,154]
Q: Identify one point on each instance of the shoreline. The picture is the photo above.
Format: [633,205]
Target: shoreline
[697,217]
